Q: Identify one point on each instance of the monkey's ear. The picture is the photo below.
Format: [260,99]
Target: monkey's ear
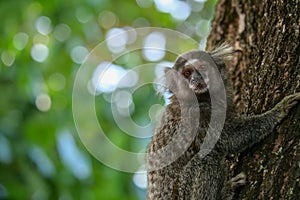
[222,53]
[180,60]
[171,79]
[164,83]
[167,69]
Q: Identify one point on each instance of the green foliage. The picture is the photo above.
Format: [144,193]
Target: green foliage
[37,71]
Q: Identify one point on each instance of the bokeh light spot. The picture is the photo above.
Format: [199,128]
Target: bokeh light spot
[78,54]
[43,102]
[132,35]
[72,157]
[43,163]
[129,79]
[8,58]
[203,28]
[39,52]
[140,179]
[20,40]
[123,99]
[181,11]
[62,32]
[116,40]
[107,77]
[43,25]
[83,14]
[165,5]
[107,19]
[5,150]
[154,46]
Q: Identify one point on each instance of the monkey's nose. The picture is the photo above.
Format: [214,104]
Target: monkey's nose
[196,80]
[193,80]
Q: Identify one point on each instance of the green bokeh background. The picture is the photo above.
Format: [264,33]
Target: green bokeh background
[36,96]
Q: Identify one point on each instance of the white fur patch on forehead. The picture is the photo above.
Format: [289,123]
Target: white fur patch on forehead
[198,64]
[191,62]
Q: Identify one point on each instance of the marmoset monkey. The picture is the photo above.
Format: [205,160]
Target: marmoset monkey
[185,158]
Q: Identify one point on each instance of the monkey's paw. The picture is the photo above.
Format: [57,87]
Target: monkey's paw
[287,104]
[238,180]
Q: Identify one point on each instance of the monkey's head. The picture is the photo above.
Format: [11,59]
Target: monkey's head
[197,73]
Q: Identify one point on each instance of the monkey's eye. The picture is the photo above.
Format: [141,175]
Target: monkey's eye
[187,72]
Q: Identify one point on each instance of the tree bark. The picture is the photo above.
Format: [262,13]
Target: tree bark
[265,69]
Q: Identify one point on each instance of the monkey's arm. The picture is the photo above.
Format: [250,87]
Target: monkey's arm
[246,132]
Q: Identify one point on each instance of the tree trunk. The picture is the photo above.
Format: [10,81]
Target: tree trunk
[265,69]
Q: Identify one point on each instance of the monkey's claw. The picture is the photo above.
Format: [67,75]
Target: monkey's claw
[292,100]
[287,104]
[238,180]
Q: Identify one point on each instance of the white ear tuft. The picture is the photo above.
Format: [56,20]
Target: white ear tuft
[222,53]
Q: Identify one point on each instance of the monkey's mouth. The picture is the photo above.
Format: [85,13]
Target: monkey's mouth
[201,87]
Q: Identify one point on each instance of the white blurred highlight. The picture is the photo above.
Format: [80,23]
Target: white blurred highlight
[154,46]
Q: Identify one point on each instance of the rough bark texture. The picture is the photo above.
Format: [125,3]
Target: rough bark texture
[266,68]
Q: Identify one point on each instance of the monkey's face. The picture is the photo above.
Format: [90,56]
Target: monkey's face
[196,73]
